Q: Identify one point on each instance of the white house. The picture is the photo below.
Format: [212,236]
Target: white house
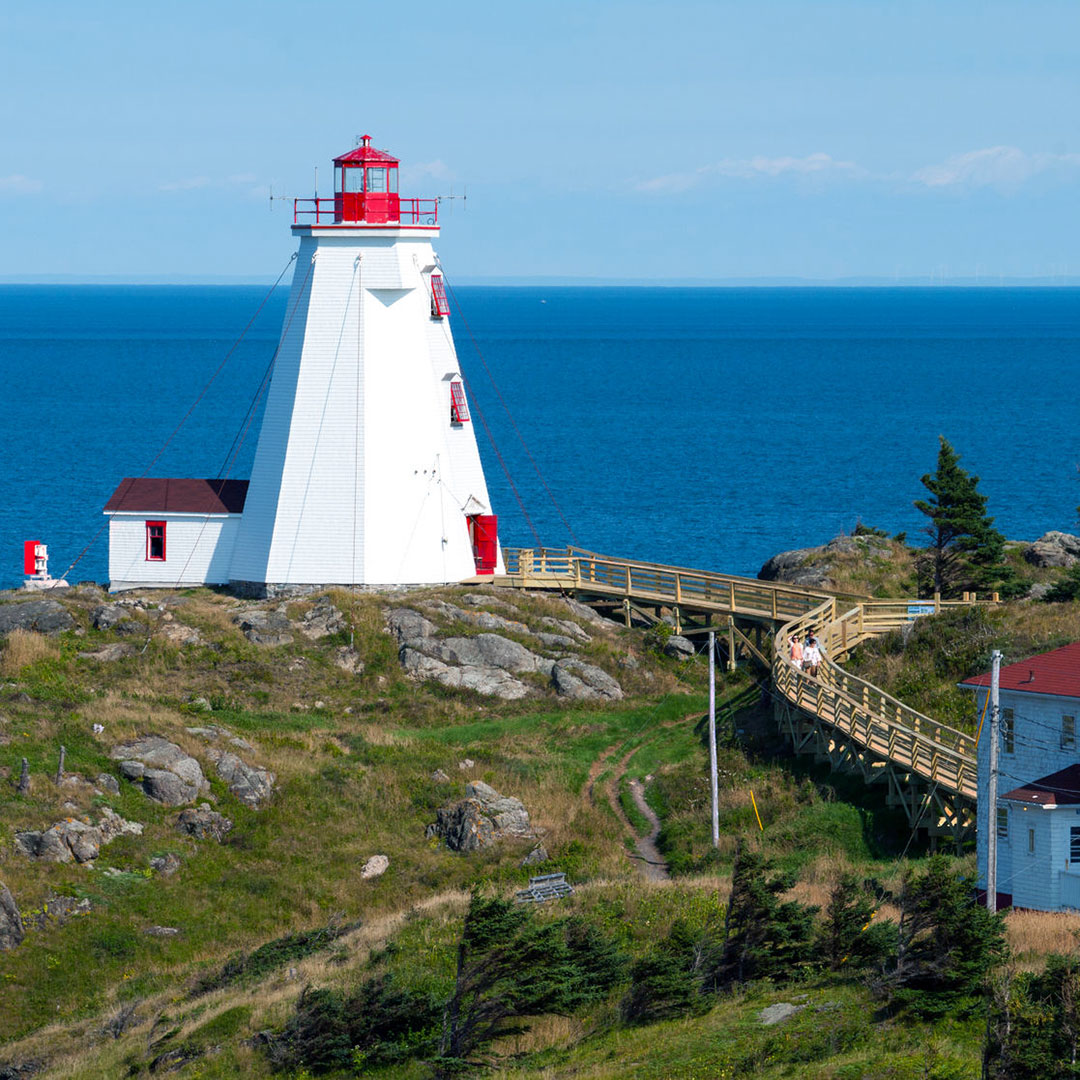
[1038,807]
[367,469]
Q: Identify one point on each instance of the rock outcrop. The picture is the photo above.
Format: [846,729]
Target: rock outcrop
[74,839]
[41,616]
[251,785]
[810,566]
[375,867]
[322,620]
[481,819]
[166,773]
[265,627]
[1054,549]
[11,927]
[489,663]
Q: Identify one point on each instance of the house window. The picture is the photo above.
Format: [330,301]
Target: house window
[1068,733]
[459,411]
[1074,844]
[1031,841]
[155,541]
[439,306]
[1008,731]
[1003,823]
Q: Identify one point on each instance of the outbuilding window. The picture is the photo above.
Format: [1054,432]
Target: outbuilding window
[1068,732]
[1031,841]
[1003,823]
[1074,844]
[155,541]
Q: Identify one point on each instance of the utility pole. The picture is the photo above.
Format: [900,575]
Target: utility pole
[992,788]
[712,742]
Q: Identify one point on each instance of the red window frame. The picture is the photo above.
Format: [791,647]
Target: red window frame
[459,409]
[439,305]
[149,538]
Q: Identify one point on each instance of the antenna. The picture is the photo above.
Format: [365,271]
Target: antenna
[277,198]
[452,198]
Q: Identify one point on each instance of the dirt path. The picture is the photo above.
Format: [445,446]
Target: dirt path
[652,864]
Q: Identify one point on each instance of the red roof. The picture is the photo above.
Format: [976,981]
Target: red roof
[148,495]
[1056,672]
[367,154]
[1058,789]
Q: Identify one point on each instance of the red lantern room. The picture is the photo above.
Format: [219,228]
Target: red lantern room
[366,185]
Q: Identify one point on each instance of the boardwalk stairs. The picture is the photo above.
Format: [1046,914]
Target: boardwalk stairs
[927,768]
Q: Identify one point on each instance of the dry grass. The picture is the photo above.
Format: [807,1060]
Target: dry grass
[24,647]
[1036,934]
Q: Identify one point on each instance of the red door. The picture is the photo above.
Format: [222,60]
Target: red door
[483,528]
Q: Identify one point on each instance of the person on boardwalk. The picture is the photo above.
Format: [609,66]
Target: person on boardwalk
[811,654]
[796,650]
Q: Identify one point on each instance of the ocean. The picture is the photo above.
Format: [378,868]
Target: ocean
[704,427]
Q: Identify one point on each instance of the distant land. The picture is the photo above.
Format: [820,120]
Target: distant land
[866,281]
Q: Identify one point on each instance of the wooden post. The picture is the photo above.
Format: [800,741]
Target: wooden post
[626,611]
[23,787]
[60,766]
[678,588]
[678,619]
[731,595]
[626,577]
[713,785]
[937,602]
[731,643]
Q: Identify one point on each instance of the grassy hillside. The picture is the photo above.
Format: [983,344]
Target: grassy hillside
[280,904]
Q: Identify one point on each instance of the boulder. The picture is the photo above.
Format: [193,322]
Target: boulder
[265,627]
[556,641]
[376,866]
[535,857]
[778,1013]
[489,650]
[322,620]
[409,626]
[58,909]
[42,616]
[579,681]
[203,823]
[168,775]
[1054,549]
[107,616]
[11,927]
[483,619]
[251,785]
[348,659]
[481,819]
[566,626]
[679,647]
[107,782]
[440,777]
[162,931]
[166,864]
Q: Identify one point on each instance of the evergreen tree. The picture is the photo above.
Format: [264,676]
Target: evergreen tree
[666,982]
[763,937]
[965,548]
[946,944]
[849,938]
[512,965]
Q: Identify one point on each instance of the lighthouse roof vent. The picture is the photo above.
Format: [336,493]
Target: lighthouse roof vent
[366,154]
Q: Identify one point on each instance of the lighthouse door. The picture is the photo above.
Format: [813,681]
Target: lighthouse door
[483,530]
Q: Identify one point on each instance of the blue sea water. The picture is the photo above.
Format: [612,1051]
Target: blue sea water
[703,427]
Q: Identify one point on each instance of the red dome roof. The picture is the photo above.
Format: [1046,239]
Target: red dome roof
[366,154]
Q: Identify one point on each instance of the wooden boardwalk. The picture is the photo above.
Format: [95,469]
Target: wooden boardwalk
[929,768]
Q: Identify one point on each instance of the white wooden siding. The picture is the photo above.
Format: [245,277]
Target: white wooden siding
[198,550]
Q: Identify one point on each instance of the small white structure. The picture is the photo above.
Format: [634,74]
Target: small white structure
[168,533]
[36,567]
[367,470]
[1038,809]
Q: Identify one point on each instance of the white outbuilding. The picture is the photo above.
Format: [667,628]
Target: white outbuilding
[367,470]
[1037,816]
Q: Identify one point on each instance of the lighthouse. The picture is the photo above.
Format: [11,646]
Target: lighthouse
[367,470]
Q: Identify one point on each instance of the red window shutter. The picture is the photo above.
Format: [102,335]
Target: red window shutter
[439,306]
[459,411]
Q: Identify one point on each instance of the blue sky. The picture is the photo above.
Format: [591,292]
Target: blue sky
[597,140]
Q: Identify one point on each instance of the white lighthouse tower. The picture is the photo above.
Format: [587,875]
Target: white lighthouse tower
[367,470]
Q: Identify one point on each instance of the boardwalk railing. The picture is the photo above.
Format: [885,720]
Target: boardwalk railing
[877,721]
